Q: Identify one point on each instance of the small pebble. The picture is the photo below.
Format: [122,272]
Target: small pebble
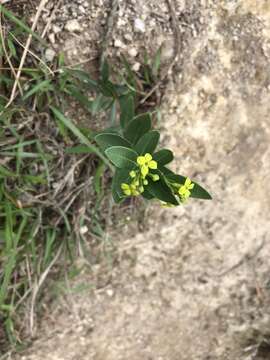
[56,29]
[133,52]
[139,25]
[49,54]
[118,43]
[83,230]
[136,67]
[52,38]
[73,26]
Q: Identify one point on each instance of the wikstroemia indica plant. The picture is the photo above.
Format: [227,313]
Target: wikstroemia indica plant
[141,169]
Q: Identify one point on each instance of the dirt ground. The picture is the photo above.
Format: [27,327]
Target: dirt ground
[194,284]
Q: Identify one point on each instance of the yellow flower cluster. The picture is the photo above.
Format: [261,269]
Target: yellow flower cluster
[136,187]
[184,190]
[146,162]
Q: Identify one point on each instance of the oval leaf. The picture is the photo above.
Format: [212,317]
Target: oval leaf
[106,140]
[127,109]
[146,194]
[140,125]
[197,192]
[163,156]
[148,142]
[122,157]
[120,176]
[80,149]
[161,191]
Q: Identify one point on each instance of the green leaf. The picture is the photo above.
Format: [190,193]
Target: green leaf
[80,149]
[127,109]
[21,24]
[106,140]
[148,142]
[4,172]
[113,113]
[73,128]
[140,125]
[122,157]
[83,100]
[160,190]
[120,176]
[197,192]
[156,62]
[11,47]
[98,178]
[105,70]
[163,156]
[131,80]
[146,194]
[83,78]
[101,103]
[40,87]
[107,88]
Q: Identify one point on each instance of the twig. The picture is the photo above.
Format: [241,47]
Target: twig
[50,19]
[11,67]
[246,257]
[32,53]
[27,45]
[176,34]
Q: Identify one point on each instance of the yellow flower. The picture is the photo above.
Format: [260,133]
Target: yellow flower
[144,170]
[126,189]
[188,184]
[148,157]
[146,162]
[152,164]
[132,174]
[141,160]
[184,190]
[124,186]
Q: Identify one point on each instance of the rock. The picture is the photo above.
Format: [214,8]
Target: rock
[136,67]
[118,44]
[128,37]
[56,29]
[133,52]
[83,230]
[73,26]
[52,38]
[49,54]
[139,25]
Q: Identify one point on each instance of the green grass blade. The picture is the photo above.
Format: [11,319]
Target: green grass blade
[21,24]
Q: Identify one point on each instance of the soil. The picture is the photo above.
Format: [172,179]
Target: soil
[193,283]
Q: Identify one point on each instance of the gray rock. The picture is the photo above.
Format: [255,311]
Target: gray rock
[49,55]
[139,25]
[73,26]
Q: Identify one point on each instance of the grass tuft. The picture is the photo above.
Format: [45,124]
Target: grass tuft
[53,177]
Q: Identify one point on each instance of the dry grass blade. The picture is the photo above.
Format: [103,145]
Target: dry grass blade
[11,67]
[27,46]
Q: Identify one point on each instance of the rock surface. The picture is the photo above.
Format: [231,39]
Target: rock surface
[194,285]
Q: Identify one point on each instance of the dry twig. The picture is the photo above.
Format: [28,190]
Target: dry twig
[27,46]
[11,67]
